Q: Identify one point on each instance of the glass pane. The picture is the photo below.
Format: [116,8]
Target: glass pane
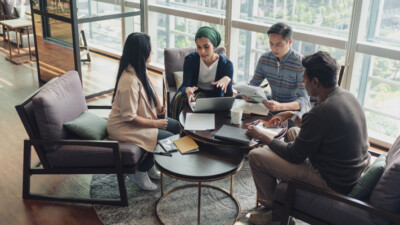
[89,8]
[60,30]
[180,34]
[252,45]
[59,7]
[376,82]
[213,7]
[54,59]
[105,35]
[384,22]
[330,17]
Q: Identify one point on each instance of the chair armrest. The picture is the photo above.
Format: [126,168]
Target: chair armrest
[94,143]
[294,185]
[99,106]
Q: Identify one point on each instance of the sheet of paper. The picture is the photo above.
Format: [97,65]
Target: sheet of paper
[200,121]
[256,93]
[271,132]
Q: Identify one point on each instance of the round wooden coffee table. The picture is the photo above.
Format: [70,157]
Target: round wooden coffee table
[221,162]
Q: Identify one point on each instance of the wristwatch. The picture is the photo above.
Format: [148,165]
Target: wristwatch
[294,117]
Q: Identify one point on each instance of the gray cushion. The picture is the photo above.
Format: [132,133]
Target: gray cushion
[330,211]
[88,126]
[365,185]
[60,101]
[386,194]
[88,156]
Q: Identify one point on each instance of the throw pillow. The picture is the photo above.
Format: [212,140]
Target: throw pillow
[365,185]
[178,75]
[88,126]
[20,11]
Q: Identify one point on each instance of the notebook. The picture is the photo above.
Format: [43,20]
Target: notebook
[212,104]
[186,145]
[233,134]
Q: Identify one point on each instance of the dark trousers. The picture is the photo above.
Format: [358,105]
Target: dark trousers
[173,128]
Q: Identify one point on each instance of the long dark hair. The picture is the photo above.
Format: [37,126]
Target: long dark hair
[136,52]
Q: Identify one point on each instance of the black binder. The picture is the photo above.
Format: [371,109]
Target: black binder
[233,134]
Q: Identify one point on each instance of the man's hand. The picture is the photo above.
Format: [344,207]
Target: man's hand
[190,93]
[222,83]
[161,123]
[255,133]
[247,99]
[280,118]
[272,105]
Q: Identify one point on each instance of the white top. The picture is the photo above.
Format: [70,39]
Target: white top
[207,75]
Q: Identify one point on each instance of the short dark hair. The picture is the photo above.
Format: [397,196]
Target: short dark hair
[282,29]
[322,66]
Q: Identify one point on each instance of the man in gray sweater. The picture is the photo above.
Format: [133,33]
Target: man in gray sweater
[331,149]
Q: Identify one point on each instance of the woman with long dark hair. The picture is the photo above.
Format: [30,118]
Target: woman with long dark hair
[136,115]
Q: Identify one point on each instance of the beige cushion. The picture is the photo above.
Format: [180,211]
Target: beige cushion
[178,75]
[20,11]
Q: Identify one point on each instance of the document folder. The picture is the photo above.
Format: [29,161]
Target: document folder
[233,134]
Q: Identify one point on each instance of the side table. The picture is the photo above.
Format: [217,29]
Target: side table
[16,25]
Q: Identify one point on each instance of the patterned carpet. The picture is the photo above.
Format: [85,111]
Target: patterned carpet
[179,207]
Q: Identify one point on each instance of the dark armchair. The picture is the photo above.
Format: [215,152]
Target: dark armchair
[43,115]
[173,62]
[317,206]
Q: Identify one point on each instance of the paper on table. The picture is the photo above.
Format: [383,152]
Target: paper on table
[200,121]
[256,93]
[272,132]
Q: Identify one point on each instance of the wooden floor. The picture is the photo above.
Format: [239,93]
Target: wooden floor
[17,82]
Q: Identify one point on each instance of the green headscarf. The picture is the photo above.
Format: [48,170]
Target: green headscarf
[210,33]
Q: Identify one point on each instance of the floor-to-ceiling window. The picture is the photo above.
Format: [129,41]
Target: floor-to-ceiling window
[363,35]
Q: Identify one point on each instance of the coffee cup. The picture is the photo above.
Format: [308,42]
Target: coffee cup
[236,115]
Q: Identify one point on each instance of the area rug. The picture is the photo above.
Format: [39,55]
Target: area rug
[179,207]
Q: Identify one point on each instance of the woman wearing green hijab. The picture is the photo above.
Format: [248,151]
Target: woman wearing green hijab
[205,73]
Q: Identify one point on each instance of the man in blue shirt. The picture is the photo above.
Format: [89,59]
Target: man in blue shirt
[282,68]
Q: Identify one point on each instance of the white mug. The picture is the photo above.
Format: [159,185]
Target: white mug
[236,115]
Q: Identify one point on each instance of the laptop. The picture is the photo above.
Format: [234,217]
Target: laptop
[212,104]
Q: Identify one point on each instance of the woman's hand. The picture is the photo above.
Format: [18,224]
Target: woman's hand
[280,118]
[222,83]
[163,111]
[190,93]
[272,105]
[161,123]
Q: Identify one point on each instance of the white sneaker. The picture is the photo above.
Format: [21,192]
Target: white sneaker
[154,173]
[143,181]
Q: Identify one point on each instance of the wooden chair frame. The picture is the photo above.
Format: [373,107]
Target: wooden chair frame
[43,167]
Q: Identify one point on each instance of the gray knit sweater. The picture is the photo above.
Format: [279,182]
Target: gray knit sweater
[334,137]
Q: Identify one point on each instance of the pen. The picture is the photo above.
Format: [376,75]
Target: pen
[253,123]
[163,153]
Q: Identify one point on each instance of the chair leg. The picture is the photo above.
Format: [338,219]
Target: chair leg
[26,182]
[122,189]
